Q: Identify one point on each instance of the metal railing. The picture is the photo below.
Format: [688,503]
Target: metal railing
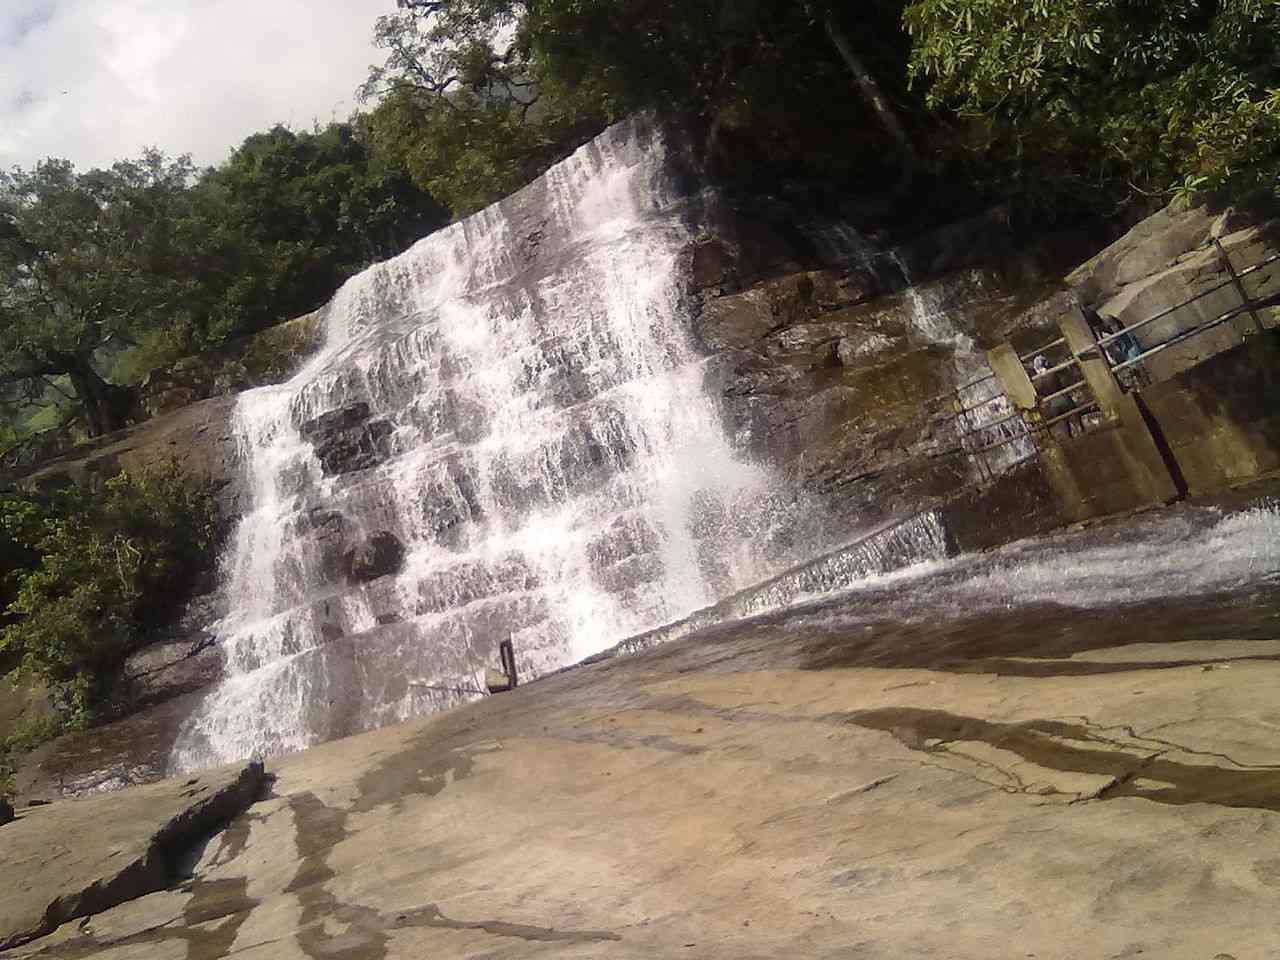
[974,433]
[1234,278]
[973,436]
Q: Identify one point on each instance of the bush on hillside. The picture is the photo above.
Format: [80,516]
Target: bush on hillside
[103,568]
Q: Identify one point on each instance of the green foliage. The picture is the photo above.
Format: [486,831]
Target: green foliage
[110,566]
[156,348]
[86,260]
[130,268]
[292,215]
[479,96]
[464,109]
[1178,95]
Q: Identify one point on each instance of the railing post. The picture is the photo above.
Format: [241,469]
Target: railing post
[1021,392]
[1013,377]
[1093,365]
[507,653]
[1245,299]
[1135,444]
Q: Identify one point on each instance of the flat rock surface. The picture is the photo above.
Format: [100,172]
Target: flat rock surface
[93,853]
[723,798]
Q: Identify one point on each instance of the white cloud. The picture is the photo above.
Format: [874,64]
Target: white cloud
[97,80]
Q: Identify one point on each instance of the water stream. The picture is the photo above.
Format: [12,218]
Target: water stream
[985,421]
[545,466]
[507,435]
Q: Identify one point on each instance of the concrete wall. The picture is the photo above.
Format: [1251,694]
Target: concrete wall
[1102,478]
[1018,504]
[1221,419]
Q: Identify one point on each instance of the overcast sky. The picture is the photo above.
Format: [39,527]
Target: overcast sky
[96,80]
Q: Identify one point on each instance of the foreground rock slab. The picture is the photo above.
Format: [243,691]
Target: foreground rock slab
[1117,801]
[71,859]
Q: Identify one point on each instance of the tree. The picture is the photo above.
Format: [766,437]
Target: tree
[91,571]
[464,107]
[1156,95]
[868,85]
[479,96]
[86,260]
[290,215]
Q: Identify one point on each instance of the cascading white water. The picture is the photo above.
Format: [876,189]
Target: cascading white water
[985,420]
[514,406]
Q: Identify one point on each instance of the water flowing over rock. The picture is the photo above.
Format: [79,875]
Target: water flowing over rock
[506,434]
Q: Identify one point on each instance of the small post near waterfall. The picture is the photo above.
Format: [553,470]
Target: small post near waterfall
[500,681]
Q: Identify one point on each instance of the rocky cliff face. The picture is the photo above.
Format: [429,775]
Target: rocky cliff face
[816,346]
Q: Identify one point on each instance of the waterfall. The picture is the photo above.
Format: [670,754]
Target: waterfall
[979,394]
[505,435]
[899,546]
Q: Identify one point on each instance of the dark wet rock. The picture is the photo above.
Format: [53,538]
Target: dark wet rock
[6,811]
[83,859]
[380,554]
[331,532]
[335,421]
[322,522]
[734,322]
[166,670]
[346,440]
[268,356]
[713,266]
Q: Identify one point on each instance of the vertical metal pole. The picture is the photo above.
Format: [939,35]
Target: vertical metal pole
[507,654]
[1239,285]
[1093,363]
[958,406]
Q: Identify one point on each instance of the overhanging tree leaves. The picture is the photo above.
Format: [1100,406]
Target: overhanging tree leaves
[86,260]
[464,106]
[1160,95]
[479,96]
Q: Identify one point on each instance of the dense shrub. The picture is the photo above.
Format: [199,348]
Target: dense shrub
[103,568]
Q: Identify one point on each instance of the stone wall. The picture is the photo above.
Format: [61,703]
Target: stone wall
[1166,260]
[1020,503]
[1221,419]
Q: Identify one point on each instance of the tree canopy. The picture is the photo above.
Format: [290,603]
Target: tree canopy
[1071,104]
[478,96]
[86,260]
[1075,100]
[1155,95]
[154,256]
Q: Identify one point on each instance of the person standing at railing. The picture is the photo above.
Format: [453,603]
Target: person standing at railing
[1047,384]
[1123,348]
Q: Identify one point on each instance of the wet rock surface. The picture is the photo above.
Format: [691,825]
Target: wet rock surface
[380,554]
[346,440]
[69,860]
[1079,782]
[818,354]
[127,752]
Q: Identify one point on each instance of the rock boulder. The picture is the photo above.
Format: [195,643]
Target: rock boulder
[380,554]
